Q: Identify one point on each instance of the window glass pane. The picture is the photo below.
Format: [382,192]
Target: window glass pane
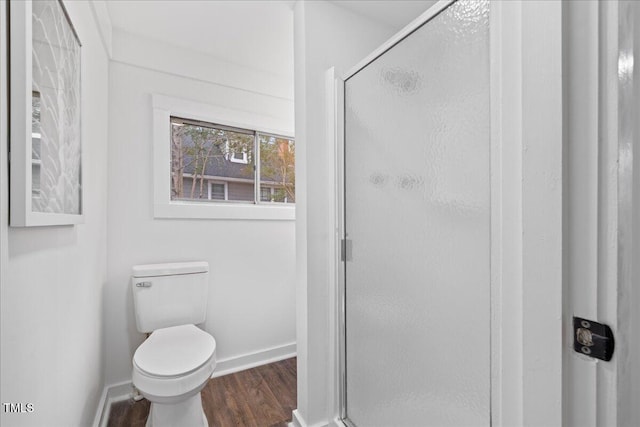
[277,167]
[265,194]
[217,191]
[202,153]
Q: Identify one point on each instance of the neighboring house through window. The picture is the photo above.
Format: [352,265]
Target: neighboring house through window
[214,162]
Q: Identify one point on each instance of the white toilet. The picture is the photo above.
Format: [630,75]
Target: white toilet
[173,365]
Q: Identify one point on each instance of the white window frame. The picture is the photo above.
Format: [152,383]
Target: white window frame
[164,107]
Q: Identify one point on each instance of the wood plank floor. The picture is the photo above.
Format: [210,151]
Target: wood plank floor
[258,397]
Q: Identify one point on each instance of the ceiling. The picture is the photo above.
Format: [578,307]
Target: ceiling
[252,33]
[257,34]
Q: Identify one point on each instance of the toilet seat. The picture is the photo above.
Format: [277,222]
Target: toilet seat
[174,361]
[174,351]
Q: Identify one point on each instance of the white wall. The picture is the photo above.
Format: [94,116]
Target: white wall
[52,277]
[252,294]
[326,35]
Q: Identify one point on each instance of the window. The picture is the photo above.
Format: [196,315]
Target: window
[212,162]
[217,190]
[241,157]
[203,153]
[277,168]
[266,194]
[209,161]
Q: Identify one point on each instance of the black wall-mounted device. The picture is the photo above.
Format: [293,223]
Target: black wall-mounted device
[593,339]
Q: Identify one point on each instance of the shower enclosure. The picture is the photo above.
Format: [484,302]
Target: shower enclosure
[484,155]
[416,227]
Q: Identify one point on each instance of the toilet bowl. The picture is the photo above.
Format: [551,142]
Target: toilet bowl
[174,363]
[170,369]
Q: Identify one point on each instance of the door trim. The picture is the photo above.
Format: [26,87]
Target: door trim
[527,213]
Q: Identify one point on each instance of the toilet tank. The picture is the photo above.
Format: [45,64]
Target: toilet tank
[169,294]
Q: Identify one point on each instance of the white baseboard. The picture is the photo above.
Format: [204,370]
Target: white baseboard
[251,360]
[100,412]
[122,391]
[111,394]
[298,421]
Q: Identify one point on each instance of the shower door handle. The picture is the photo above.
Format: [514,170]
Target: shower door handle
[346,247]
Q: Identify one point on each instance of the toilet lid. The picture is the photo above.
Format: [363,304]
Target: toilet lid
[174,351]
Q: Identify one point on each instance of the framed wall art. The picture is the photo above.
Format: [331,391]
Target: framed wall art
[45,109]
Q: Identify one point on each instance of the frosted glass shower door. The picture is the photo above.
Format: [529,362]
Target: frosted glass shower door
[417,214]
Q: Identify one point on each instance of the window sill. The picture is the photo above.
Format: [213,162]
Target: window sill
[187,210]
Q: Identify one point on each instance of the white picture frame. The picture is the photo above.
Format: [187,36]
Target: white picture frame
[46,176]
